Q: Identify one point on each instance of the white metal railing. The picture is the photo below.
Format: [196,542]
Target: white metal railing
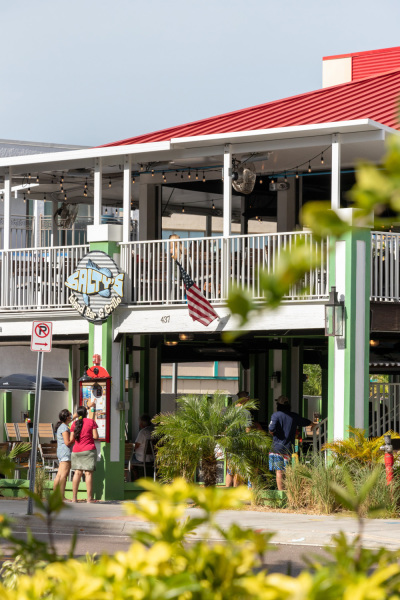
[384,408]
[320,435]
[214,263]
[21,231]
[34,278]
[385,266]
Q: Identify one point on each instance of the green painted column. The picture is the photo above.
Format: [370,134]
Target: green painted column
[7,412]
[31,405]
[348,369]
[108,481]
[129,360]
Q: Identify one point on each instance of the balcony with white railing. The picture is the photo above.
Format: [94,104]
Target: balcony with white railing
[385,266]
[33,279]
[216,263]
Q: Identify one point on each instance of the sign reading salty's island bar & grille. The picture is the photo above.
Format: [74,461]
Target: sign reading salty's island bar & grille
[97,286]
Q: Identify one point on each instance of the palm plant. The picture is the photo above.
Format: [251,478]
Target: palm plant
[201,427]
[358,447]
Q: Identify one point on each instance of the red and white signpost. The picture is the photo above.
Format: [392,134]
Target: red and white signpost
[42,332]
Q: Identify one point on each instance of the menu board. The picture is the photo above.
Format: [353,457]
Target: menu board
[98,391]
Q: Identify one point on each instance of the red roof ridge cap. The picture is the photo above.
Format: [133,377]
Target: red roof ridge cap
[363,52]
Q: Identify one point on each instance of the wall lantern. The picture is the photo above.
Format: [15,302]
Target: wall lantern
[334,315]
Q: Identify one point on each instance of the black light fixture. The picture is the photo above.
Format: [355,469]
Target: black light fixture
[334,315]
[85,376]
[204,177]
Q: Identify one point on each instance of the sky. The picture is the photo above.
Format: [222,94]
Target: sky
[90,72]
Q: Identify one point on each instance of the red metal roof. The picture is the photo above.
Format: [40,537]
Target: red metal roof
[375,98]
[366,64]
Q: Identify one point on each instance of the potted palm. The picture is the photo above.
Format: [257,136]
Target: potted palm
[203,427]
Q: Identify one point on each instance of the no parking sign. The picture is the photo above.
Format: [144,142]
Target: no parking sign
[41,336]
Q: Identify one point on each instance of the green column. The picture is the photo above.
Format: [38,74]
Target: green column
[31,405]
[108,480]
[129,360]
[348,370]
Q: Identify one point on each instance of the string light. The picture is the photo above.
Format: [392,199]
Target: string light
[163,176]
[152,172]
[61,189]
[65,196]
[116,212]
[181,175]
[29,190]
[197,174]
[29,176]
[183,208]
[176,173]
[105,211]
[85,193]
[37,178]
[272,178]
[109,183]
[85,186]
[204,178]
[141,167]
[285,177]
[322,158]
[261,181]
[297,174]
[44,196]
[24,198]
[133,179]
[189,175]
[62,178]
[213,205]
[309,167]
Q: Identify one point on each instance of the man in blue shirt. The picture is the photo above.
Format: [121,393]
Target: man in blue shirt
[283,426]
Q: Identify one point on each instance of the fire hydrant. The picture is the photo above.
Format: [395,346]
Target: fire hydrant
[389,460]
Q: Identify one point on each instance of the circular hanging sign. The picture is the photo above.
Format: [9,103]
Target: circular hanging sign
[97,286]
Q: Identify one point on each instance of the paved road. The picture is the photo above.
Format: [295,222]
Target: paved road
[284,559]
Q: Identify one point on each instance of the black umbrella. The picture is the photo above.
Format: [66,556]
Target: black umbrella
[20,381]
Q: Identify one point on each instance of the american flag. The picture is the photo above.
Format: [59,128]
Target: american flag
[199,307]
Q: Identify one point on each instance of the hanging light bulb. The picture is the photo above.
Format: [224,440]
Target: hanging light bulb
[176,173]
[309,167]
[105,211]
[85,193]
[37,178]
[285,177]
[197,174]
[272,179]
[152,172]
[213,205]
[163,176]
[297,174]
[44,196]
[29,176]
[204,178]
[61,189]
[116,212]
[24,198]
[109,183]
[183,208]
[181,175]
[29,190]
[65,196]
[189,175]
[322,158]
[261,181]
[141,167]
[85,186]
[62,178]
[133,179]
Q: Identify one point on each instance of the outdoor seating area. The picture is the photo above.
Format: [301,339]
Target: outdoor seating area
[17,433]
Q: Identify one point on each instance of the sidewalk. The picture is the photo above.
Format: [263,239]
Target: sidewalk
[313,530]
